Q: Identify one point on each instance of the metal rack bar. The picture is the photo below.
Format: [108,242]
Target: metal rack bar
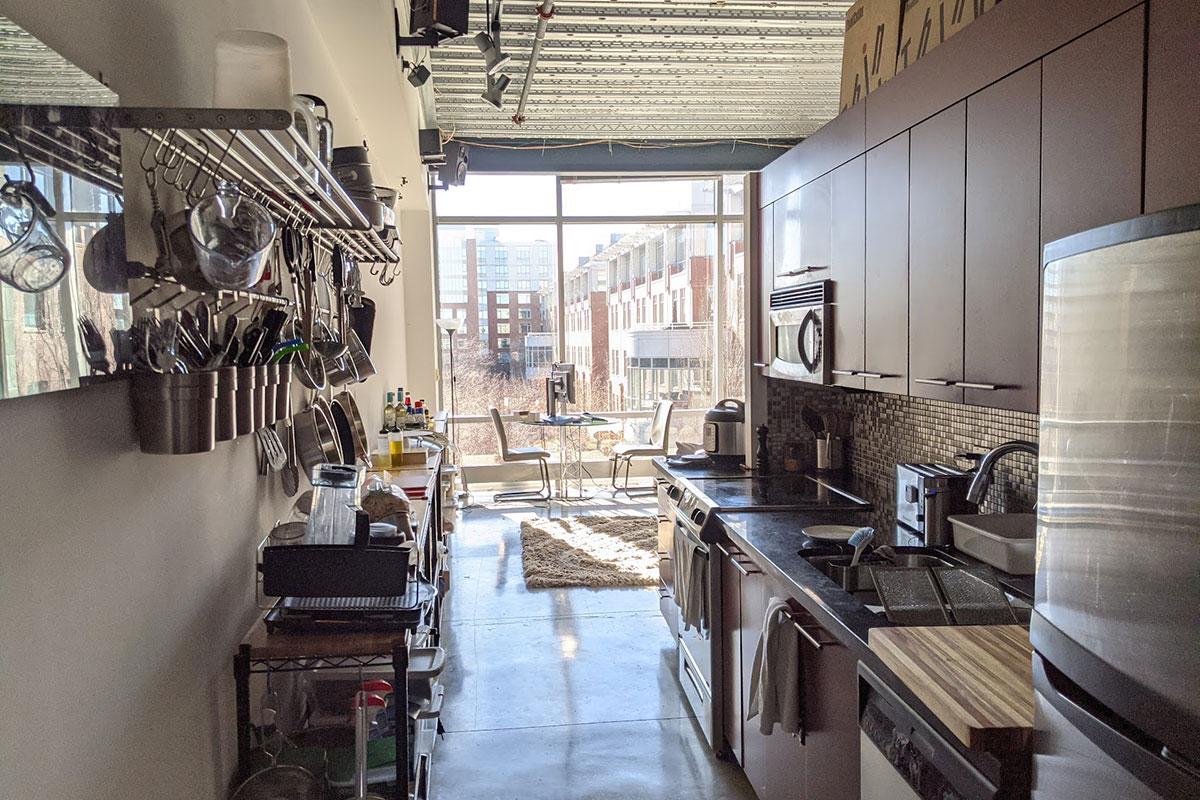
[259,150]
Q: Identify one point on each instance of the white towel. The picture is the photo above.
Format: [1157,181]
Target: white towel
[777,678]
[690,562]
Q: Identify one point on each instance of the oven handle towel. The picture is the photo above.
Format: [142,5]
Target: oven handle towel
[777,678]
[691,582]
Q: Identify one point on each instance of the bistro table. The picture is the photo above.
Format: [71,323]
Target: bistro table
[568,468]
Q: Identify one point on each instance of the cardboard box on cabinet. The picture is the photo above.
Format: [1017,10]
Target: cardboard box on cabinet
[928,23]
[869,50]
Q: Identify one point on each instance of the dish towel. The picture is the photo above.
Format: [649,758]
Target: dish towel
[777,678]
[690,561]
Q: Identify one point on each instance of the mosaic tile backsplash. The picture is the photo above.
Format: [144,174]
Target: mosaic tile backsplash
[886,429]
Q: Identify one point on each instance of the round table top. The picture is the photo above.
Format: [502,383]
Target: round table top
[567,422]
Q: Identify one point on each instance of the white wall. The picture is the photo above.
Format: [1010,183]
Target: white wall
[126,580]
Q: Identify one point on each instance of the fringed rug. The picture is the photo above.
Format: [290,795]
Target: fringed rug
[592,551]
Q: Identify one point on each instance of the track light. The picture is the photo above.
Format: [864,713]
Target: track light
[492,56]
[494,93]
[418,75]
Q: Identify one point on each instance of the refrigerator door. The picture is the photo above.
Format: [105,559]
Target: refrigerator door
[1118,573]
[1079,753]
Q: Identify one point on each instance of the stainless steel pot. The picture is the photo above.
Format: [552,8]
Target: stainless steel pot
[359,430]
[316,442]
[364,367]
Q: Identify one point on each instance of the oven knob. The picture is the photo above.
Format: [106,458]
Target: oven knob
[698,517]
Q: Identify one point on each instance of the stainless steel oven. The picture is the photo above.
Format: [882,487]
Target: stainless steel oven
[801,332]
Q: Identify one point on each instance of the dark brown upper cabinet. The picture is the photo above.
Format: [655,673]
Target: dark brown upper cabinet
[936,239]
[847,261]
[1003,266]
[887,267]
[766,244]
[1172,105]
[1092,128]
[815,229]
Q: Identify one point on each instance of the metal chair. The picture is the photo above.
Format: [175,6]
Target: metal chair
[516,454]
[626,452]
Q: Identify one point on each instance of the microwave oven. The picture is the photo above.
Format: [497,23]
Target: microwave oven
[801,333]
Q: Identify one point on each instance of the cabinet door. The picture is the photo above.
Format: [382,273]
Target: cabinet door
[1092,128]
[847,260]
[936,235]
[815,228]
[1172,105]
[887,267]
[774,764]
[731,652]
[831,726]
[787,240]
[766,244]
[1003,262]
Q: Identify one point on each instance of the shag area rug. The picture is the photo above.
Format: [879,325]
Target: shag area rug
[592,551]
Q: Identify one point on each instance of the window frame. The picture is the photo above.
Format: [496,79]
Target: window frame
[718,220]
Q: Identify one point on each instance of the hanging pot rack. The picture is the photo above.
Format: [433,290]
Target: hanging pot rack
[257,149]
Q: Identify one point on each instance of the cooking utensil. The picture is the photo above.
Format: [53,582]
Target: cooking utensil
[290,474]
[316,442]
[344,432]
[830,533]
[93,347]
[831,422]
[346,401]
[859,541]
[272,448]
[105,265]
[361,727]
[813,420]
[364,367]
[276,782]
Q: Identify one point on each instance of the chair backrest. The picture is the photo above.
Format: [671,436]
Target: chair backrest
[501,436]
[660,423]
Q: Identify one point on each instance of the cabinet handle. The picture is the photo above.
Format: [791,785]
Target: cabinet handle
[845,372]
[740,567]
[760,364]
[808,637]
[876,375]
[802,271]
[986,387]
[936,381]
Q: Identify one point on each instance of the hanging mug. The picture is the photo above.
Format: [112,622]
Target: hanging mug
[32,256]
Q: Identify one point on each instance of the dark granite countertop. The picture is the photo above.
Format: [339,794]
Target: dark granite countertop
[723,470]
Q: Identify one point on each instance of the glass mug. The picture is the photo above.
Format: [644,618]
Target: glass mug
[32,256]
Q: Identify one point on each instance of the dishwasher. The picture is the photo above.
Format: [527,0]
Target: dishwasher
[901,756]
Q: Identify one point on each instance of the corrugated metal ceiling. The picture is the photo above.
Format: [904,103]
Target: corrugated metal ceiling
[639,69]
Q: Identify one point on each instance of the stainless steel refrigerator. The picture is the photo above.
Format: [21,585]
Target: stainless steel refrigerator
[1116,623]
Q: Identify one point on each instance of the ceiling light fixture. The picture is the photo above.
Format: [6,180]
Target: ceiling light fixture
[493,58]
[494,94]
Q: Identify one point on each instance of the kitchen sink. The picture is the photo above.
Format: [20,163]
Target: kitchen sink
[836,564]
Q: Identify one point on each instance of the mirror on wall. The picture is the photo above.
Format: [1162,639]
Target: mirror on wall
[44,335]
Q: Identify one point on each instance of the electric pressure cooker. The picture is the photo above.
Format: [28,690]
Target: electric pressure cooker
[724,425]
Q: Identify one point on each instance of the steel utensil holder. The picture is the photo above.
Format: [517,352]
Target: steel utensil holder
[175,413]
[259,403]
[283,391]
[270,390]
[246,379]
[227,383]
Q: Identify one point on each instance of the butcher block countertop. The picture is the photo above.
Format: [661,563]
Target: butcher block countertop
[977,679]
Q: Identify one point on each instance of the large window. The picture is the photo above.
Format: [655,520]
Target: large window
[638,282]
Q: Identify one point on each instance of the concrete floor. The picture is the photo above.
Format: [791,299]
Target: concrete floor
[562,694]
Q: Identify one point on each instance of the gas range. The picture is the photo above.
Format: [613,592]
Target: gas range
[695,500]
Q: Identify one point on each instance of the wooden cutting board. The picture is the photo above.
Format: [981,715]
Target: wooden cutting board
[977,679]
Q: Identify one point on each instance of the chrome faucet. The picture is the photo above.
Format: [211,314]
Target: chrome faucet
[983,472]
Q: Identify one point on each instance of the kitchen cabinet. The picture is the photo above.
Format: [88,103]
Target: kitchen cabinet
[847,262]
[786,254]
[886,354]
[1172,105]
[815,229]
[766,243]
[937,237]
[1003,253]
[1092,128]
[774,765]
[731,651]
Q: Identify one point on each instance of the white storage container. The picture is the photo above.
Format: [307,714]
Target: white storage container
[1006,541]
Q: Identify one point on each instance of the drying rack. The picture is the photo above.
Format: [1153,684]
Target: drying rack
[257,149]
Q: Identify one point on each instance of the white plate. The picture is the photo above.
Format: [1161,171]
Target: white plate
[830,533]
